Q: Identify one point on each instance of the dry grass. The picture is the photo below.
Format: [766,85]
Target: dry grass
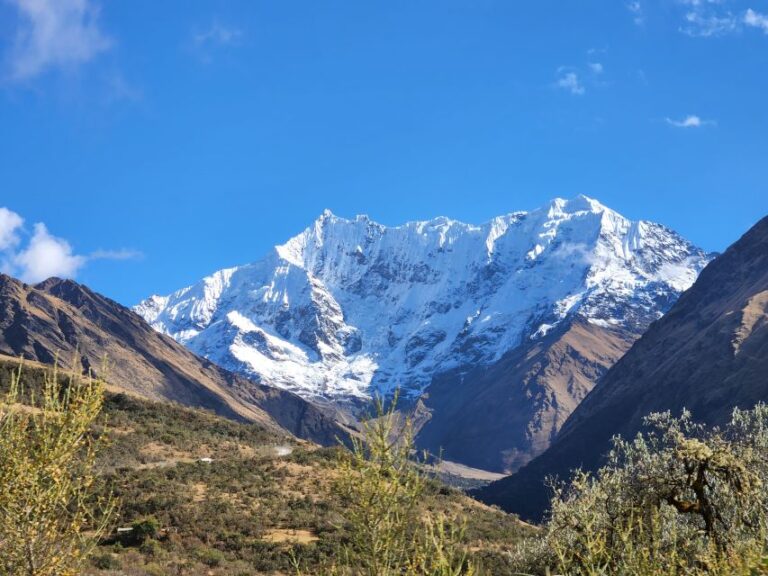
[290,536]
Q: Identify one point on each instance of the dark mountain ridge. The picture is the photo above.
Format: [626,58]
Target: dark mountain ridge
[499,417]
[708,354]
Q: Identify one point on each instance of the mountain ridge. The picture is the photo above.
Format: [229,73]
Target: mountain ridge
[61,320]
[708,354]
[349,309]
[309,301]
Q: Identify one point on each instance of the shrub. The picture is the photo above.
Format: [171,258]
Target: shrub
[144,529]
[678,499]
[151,548]
[49,516]
[210,557]
[106,561]
[382,491]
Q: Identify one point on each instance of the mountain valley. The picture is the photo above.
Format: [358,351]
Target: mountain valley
[517,318]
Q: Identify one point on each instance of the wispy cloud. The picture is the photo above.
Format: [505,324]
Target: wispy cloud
[596,67]
[570,82]
[704,18]
[123,254]
[576,79]
[756,20]
[690,121]
[54,34]
[10,223]
[205,43]
[218,34]
[43,255]
[712,18]
[706,23]
[118,89]
[636,10]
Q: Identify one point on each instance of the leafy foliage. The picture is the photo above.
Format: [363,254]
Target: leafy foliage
[250,511]
[49,519]
[389,531]
[680,498]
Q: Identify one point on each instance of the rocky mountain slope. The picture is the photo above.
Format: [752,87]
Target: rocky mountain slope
[64,318]
[498,417]
[460,314]
[708,354]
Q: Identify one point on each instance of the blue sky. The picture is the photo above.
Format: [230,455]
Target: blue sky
[145,144]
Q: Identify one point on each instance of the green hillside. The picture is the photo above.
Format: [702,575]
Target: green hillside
[227,498]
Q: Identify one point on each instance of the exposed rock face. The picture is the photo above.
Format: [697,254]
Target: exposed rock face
[65,319]
[464,314]
[708,354]
[501,416]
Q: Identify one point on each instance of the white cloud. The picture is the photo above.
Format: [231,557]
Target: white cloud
[570,81]
[120,90]
[636,9]
[596,67]
[756,20]
[43,255]
[218,34]
[47,256]
[578,79]
[707,18]
[690,121]
[10,223]
[706,23]
[115,255]
[213,38]
[55,33]
[699,2]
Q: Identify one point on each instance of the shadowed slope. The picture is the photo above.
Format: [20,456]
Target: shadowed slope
[709,354]
[500,417]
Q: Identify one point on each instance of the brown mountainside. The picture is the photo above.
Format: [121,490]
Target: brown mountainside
[64,318]
[500,417]
[708,354]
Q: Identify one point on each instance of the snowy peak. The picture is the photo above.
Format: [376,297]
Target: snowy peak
[560,207]
[349,307]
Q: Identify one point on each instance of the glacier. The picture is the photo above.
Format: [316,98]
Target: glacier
[350,308]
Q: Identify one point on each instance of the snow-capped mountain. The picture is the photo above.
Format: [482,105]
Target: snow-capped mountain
[350,307]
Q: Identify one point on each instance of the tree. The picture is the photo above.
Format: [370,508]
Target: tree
[388,530]
[681,498]
[50,517]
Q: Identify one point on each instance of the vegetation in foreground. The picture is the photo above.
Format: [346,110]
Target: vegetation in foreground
[202,495]
[49,518]
[390,532]
[680,499]
[263,502]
